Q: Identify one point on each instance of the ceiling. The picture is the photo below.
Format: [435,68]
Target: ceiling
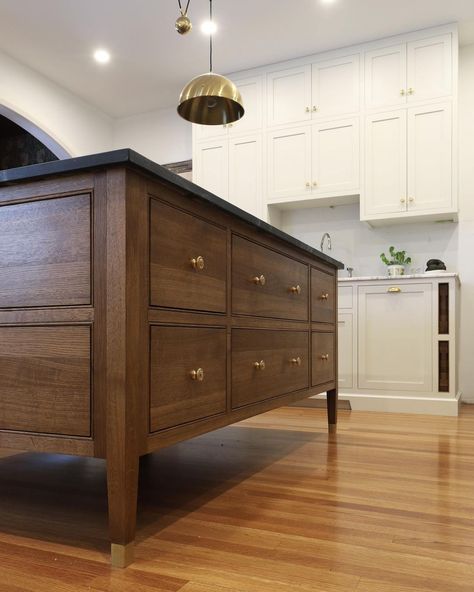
[151,62]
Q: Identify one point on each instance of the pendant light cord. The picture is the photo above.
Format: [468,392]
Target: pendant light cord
[181,8]
[210,36]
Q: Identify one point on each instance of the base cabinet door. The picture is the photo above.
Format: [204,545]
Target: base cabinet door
[323,366]
[345,350]
[395,330]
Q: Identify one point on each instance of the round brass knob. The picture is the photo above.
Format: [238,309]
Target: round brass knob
[307,109]
[308,184]
[325,357]
[402,200]
[296,361]
[198,263]
[411,199]
[259,280]
[259,365]
[325,296]
[315,108]
[197,374]
[402,92]
[411,91]
[295,289]
[315,183]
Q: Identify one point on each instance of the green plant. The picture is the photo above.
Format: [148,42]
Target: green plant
[397,257]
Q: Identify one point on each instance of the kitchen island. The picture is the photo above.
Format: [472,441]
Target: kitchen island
[138,310]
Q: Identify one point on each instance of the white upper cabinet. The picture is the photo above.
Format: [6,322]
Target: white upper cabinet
[210,167]
[335,157]
[289,162]
[430,70]
[251,91]
[430,158]
[289,95]
[385,163]
[385,76]
[336,87]
[205,132]
[245,173]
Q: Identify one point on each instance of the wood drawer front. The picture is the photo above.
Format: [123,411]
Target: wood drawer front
[323,297]
[45,379]
[275,298]
[174,396]
[323,368]
[280,375]
[175,239]
[45,253]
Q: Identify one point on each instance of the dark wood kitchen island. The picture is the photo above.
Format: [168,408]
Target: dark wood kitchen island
[138,310]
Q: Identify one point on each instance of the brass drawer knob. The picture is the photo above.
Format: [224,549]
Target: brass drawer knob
[402,92]
[324,296]
[411,91]
[324,357]
[198,263]
[259,280]
[197,374]
[394,290]
[296,361]
[296,289]
[259,365]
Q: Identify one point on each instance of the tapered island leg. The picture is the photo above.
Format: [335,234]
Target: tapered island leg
[332,398]
[122,486]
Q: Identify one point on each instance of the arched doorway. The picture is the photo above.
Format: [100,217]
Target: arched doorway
[22,143]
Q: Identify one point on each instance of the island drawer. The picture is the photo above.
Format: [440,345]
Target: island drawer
[45,379]
[267,363]
[266,283]
[323,358]
[188,257]
[323,297]
[187,374]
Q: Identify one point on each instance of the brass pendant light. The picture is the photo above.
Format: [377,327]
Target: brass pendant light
[210,99]
[183,23]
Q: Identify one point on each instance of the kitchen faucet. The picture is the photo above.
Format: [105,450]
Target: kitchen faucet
[328,236]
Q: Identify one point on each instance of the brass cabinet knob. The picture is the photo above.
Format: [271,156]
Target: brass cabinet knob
[197,374]
[259,365]
[411,91]
[394,290]
[307,109]
[308,184]
[198,263]
[324,357]
[259,280]
[315,183]
[315,108]
[402,200]
[324,296]
[296,361]
[295,289]
[402,92]
[411,199]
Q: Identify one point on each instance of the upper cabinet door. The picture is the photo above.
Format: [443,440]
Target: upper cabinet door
[289,162]
[211,166]
[385,163]
[430,158]
[385,77]
[336,87]
[245,173]
[251,91]
[289,95]
[336,157]
[430,68]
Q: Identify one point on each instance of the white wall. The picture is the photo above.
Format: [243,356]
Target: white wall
[27,97]
[162,135]
[359,246]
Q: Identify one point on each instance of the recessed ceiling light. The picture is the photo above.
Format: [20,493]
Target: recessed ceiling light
[209,27]
[328,1]
[102,56]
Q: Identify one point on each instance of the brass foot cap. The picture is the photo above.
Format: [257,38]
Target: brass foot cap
[121,555]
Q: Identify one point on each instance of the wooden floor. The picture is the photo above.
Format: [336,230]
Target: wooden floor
[271,505]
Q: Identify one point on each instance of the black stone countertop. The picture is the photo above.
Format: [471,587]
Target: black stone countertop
[129,157]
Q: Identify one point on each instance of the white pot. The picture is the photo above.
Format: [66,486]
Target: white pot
[396,270]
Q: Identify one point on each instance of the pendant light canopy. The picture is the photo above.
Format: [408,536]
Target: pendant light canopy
[210,99]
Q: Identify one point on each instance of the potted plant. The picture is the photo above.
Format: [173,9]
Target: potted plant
[396,263]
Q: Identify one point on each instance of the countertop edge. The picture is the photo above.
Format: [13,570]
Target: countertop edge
[126,156]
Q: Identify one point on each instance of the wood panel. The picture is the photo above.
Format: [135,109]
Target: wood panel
[323,296]
[176,238]
[283,293]
[45,253]
[176,396]
[45,379]
[323,354]
[277,373]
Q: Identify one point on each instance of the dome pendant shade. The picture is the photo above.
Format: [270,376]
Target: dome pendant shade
[210,99]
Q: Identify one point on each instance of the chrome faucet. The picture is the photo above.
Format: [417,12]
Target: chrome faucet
[328,236]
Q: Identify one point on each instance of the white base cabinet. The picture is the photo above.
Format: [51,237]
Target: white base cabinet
[397,344]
